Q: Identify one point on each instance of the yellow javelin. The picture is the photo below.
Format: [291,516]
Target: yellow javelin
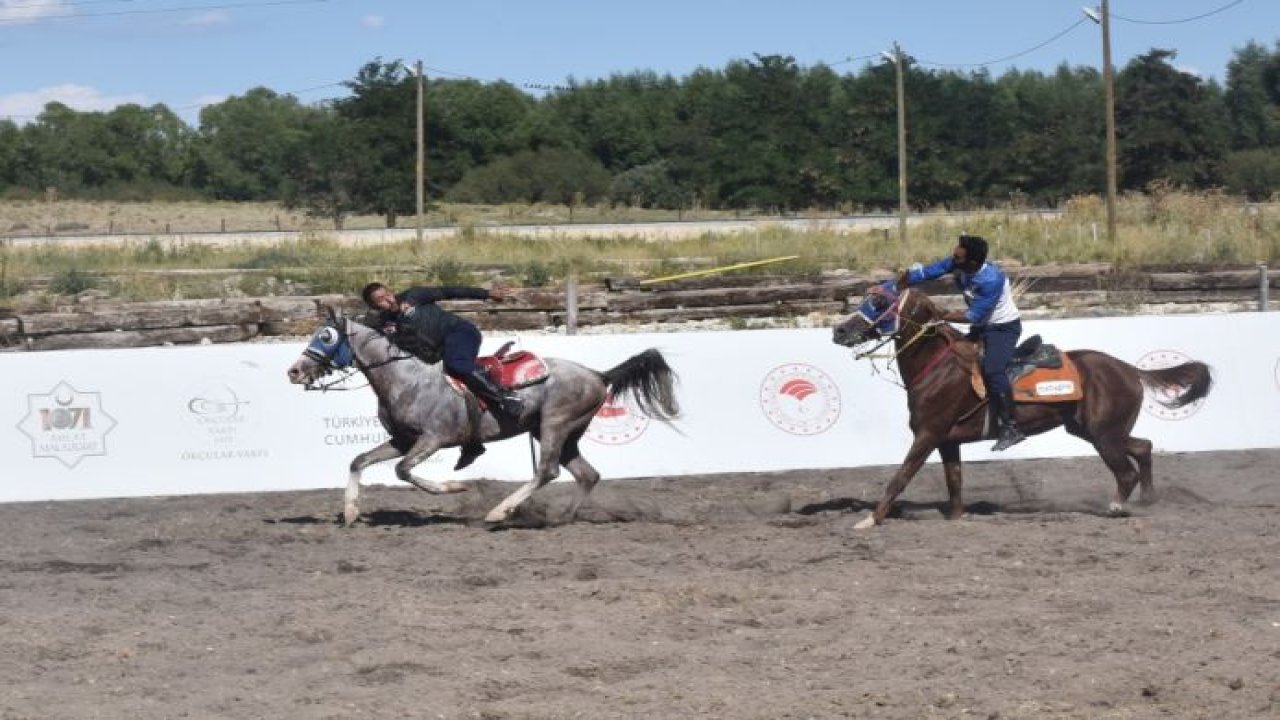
[712,271]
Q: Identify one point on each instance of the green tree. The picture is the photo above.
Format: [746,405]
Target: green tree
[548,175]
[1253,97]
[325,173]
[1168,125]
[245,142]
[381,117]
[470,124]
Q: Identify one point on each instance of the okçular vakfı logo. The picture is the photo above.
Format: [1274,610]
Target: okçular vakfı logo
[216,413]
[1155,360]
[66,424]
[800,399]
[617,423]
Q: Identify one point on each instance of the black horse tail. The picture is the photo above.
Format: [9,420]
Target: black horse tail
[650,381]
[1192,379]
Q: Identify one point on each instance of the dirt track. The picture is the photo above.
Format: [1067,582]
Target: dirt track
[723,597]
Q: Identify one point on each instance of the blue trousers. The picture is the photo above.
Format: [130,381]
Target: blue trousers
[998,342]
[461,345]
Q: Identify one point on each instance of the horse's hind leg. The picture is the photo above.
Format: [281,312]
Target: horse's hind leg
[351,499]
[1140,450]
[1116,456]
[583,472]
[548,468]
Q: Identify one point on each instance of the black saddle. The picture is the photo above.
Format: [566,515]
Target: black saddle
[1037,353]
[1033,353]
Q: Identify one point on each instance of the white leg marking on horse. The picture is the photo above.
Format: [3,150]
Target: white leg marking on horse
[866,523]
[503,510]
[351,499]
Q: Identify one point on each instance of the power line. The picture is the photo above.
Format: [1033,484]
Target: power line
[19,6]
[1193,18]
[157,11]
[1014,56]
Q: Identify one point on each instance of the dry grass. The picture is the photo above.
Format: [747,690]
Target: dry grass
[1161,228]
[78,217]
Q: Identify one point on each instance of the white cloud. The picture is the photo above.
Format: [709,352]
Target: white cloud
[24,11]
[25,106]
[208,19]
[373,21]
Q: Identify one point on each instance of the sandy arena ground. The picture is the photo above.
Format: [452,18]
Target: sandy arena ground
[746,596]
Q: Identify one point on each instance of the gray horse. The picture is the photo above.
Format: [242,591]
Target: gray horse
[422,412]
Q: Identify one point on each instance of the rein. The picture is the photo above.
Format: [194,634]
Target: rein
[923,330]
[346,373]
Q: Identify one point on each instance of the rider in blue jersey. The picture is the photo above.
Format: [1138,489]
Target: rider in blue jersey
[992,317]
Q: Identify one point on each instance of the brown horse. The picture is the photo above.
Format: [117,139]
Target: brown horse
[935,363]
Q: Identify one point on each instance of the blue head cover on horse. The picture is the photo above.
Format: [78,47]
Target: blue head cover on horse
[330,346]
[879,307]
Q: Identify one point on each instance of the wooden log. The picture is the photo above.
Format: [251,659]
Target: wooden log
[1223,280]
[635,301]
[145,338]
[143,316]
[509,320]
[786,309]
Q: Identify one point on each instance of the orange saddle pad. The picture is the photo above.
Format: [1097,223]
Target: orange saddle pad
[1049,385]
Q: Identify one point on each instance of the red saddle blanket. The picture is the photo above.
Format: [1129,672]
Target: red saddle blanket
[512,371]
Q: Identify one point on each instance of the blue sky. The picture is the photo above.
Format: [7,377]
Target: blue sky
[95,54]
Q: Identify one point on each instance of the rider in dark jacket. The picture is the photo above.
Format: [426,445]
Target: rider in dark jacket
[417,324]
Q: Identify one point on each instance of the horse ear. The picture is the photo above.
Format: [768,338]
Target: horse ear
[329,314]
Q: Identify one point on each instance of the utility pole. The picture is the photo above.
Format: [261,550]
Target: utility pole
[896,58]
[1102,16]
[422,153]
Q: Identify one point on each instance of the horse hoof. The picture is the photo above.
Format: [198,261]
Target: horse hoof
[1116,510]
[349,516]
[496,516]
[866,523]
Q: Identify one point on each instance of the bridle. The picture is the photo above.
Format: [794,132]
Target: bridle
[339,325]
[902,323]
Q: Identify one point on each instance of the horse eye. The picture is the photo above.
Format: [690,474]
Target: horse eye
[328,336]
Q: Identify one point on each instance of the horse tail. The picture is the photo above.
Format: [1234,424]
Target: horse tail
[1192,379]
[649,380]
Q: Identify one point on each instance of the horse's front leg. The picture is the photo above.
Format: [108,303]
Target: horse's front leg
[923,444]
[351,500]
[421,450]
[950,453]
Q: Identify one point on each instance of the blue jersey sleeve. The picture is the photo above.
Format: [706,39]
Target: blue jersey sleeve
[932,271]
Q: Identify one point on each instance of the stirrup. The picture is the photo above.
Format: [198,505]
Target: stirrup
[1009,436]
[510,405]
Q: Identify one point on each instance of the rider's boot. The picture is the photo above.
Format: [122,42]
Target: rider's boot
[1009,434]
[470,452]
[479,383]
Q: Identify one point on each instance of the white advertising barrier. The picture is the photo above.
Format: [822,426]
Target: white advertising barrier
[182,420]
